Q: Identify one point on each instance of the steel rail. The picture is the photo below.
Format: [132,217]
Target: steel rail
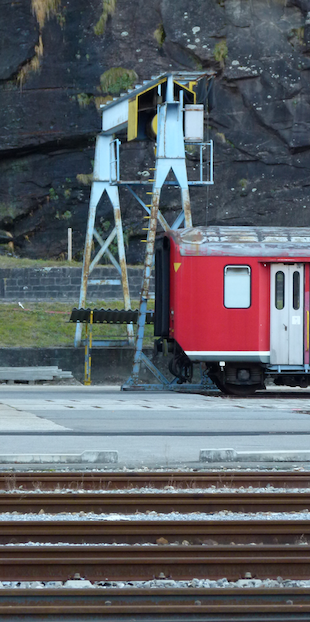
[110,563]
[120,481]
[159,502]
[178,604]
[142,532]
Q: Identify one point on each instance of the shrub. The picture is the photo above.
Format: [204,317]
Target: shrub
[117,79]
[220,52]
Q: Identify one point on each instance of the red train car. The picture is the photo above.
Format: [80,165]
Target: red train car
[237,300]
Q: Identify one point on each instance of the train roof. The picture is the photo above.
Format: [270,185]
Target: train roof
[237,241]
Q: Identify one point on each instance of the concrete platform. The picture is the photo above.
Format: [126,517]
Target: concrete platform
[150,429]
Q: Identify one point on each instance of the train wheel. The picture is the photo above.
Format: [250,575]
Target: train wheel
[241,390]
[235,389]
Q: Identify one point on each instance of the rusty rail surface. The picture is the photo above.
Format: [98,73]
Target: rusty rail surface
[142,532]
[178,550]
[159,502]
[112,481]
[111,563]
[178,604]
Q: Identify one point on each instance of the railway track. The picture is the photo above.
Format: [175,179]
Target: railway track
[165,549]
[196,604]
[189,479]
[185,605]
[121,563]
[143,532]
[130,503]
[181,492]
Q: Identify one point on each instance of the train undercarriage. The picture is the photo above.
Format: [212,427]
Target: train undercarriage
[237,378]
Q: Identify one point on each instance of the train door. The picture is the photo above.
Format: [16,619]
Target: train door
[286,314]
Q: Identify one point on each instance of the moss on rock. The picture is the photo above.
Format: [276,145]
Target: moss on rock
[117,79]
[108,8]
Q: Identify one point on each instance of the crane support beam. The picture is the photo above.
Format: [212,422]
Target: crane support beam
[167,106]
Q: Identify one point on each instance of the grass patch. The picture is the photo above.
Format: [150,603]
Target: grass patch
[7,261]
[33,65]
[23,262]
[108,8]
[297,36]
[117,79]
[86,179]
[220,52]
[44,9]
[84,99]
[160,35]
[43,325]
[100,100]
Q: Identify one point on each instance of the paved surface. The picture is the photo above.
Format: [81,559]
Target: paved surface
[151,429]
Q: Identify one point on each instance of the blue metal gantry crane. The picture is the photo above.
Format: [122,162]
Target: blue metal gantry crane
[165,106]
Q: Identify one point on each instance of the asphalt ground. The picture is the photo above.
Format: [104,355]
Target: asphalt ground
[150,429]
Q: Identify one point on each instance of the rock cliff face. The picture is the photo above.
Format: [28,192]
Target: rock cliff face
[53,54]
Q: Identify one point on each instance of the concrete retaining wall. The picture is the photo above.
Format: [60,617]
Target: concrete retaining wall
[109,365]
[64,284]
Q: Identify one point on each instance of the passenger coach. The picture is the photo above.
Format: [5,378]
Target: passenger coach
[237,300]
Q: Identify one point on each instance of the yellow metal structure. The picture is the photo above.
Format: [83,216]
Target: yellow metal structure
[88,347]
[132,131]
[189,89]
[154,124]
[136,105]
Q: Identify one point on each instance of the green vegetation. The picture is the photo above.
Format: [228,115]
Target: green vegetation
[53,194]
[32,65]
[243,184]
[221,136]
[47,324]
[100,100]
[84,100]
[24,262]
[297,36]
[117,79]
[8,210]
[220,52]
[44,9]
[108,8]
[160,35]
[230,143]
[104,225]
[85,179]
[65,216]
[192,152]
[61,19]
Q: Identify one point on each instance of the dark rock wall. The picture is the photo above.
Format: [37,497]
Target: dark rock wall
[51,61]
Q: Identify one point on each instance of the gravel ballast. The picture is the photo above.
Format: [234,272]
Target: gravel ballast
[223,515]
[158,583]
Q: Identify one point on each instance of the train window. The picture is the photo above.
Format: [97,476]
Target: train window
[237,287]
[296,290]
[280,285]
